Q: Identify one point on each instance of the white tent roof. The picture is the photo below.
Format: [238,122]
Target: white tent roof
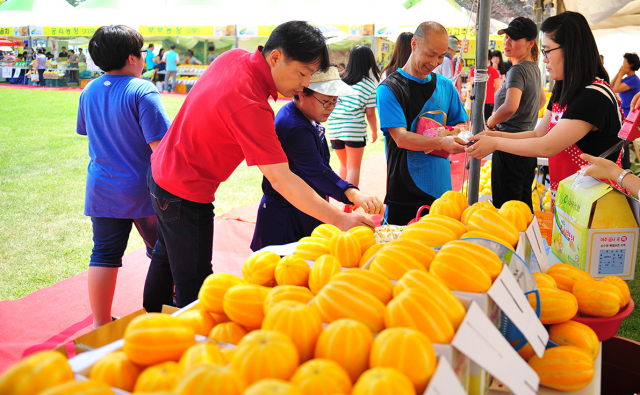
[42,12]
[607,14]
[440,11]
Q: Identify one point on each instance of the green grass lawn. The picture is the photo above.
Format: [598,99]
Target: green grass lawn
[44,236]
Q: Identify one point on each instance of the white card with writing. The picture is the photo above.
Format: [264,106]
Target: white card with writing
[444,380]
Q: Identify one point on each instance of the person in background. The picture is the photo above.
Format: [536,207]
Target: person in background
[150,57]
[212,54]
[63,55]
[190,59]
[303,141]
[171,61]
[41,65]
[74,75]
[82,58]
[150,75]
[119,149]
[493,85]
[498,64]
[49,56]
[415,178]
[400,54]
[446,68]
[160,77]
[20,58]
[517,104]
[627,87]
[347,126]
[583,115]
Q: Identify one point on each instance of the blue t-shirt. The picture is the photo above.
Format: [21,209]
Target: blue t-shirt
[150,62]
[171,58]
[120,115]
[626,97]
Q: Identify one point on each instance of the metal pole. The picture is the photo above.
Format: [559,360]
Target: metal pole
[235,34]
[482,48]
[538,20]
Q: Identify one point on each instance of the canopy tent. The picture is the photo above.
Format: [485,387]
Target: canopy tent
[16,13]
[441,11]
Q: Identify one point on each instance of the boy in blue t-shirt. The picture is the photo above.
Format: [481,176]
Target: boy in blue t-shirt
[124,119]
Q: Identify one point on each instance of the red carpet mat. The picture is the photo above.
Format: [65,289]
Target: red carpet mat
[57,314]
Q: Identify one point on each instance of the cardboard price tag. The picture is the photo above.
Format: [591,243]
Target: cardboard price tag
[507,294]
[537,246]
[480,340]
[444,380]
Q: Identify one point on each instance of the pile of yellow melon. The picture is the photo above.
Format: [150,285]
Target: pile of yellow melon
[485,181]
[564,292]
[538,190]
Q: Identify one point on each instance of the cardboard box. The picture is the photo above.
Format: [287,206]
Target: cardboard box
[595,228]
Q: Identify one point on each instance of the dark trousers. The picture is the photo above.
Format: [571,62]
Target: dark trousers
[41,81]
[511,178]
[182,254]
[488,110]
[401,215]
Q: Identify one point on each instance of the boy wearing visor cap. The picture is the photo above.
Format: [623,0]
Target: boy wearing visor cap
[299,129]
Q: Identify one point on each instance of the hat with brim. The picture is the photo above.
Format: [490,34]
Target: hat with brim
[521,27]
[330,84]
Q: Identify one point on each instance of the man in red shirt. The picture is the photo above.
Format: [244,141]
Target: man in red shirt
[226,119]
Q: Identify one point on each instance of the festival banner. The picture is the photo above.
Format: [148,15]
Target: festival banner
[164,30]
[72,31]
[223,31]
[6,30]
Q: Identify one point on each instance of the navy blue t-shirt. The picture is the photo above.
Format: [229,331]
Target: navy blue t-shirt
[120,115]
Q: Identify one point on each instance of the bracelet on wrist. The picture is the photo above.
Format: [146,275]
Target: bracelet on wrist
[622,176]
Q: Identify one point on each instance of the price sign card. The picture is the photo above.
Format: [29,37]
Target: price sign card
[507,294]
[534,236]
[444,381]
[482,342]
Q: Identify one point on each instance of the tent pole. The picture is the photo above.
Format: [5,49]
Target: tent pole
[235,36]
[482,48]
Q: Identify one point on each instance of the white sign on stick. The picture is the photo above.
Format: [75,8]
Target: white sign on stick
[507,294]
[444,381]
[537,245]
[482,342]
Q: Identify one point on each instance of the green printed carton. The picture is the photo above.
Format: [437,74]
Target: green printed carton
[595,228]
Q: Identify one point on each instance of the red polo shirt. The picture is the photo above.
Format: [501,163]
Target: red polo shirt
[225,119]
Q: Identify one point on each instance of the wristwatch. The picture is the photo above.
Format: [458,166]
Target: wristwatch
[622,175]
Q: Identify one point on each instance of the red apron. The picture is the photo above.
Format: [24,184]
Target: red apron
[568,162]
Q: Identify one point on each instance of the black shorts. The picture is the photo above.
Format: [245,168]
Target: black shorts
[340,144]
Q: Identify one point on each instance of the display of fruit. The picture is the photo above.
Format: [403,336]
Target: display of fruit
[420,251]
[346,248]
[311,248]
[116,370]
[457,197]
[490,221]
[198,354]
[446,207]
[325,231]
[597,298]
[572,333]
[456,226]
[368,281]
[213,289]
[286,292]
[260,267]
[228,332]
[265,354]
[322,271]
[566,276]
[564,368]
[365,236]
[321,376]
[244,304]
[487,258]
[394,261]
[432,234]
[201,321]
[293,270]
[460,273]
[35,373]
[300,322]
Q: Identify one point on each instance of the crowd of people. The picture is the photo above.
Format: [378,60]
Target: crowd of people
[162,176]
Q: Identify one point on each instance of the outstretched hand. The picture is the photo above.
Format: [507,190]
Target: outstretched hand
[600,168]
[351,220]
[483,146]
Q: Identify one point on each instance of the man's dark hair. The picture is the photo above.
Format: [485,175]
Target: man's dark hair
[172,46]
[212,48]
[64,48]
[111,46]
[299,41]
[582,63]
[361,65]
[151,46]
[72,51]
[633,60]
[156,67]
[80,49]
[40,51]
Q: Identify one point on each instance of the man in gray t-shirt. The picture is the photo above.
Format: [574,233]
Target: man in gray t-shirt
[524,76]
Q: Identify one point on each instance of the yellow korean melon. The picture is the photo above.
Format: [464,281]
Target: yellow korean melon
[597,298]
[260,267]
[227,353]
[116,370]
[153,338]
[346,248]
[199,354]
[573,333]
[394,261]
[348,343]
[339,299]
[564,368]
[286,292]
[490,221]
[322,271]
[544,280]
[432,234]
[420,251]
[325,231]
[210,379]
[160,377]
[456,226]
[484,235]
[213,290]
[526,351]
[522,206]
[201,321]
[457,197]
[228,332]
[622,286]
[369,253]
[464,218]
[265,354]
[244,304]
[312,247]
[365,236]
[460,273]
[293,270]
[321,376]
[437,291]
[482,255]
[516,216]
[383,381]
[556,305]
[219,318]
[300,322]
[407,350]
[374,283]
[272,387]
[566,276]
[413,308]
[446,207]
[35,373]
[80,388]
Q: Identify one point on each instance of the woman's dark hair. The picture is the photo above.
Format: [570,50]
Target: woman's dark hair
[633,60]
[582,64]
[361,65]
[299,41]
[400,54]
[161,52]
[501,68]
[111,46]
